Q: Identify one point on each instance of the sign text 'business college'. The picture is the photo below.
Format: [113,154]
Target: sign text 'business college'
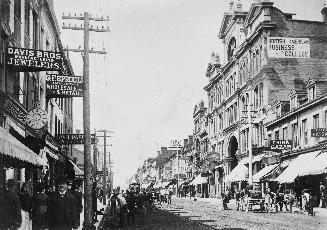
[283,47]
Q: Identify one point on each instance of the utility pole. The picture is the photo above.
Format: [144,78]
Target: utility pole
[104,166]
[87,225]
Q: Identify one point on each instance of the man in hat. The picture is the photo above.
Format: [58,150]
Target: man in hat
[10,209]
[62,208]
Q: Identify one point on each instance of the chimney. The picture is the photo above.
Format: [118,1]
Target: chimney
[324,14]
[231,6]
[185,142]
[158,153]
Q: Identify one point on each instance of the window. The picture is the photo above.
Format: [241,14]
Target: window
[277,135]
[231,48]
[256,101]
[316,121]
[295,139]
[312,92]
[285,137]
[293,102]
[304,131]
[261,94]
[35,31]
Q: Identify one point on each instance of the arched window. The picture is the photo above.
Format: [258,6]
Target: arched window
[231,48]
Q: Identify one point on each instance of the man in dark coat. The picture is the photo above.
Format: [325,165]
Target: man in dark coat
[10,209]
[76,191]
[62,208]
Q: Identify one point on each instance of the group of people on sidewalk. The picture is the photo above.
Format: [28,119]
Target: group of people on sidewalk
[54,209]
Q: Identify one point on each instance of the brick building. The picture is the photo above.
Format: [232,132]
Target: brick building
[254,74]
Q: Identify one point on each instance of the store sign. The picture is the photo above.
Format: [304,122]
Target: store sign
[283,47]
[59,86]
[320,132]
[73,139]
[26,60]
[15,110]
[280,144]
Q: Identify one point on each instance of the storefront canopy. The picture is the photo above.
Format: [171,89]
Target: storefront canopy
[77,170]
[11,147]
[238,173]
[318,166]
[299,165]
[259,175]
[199,180]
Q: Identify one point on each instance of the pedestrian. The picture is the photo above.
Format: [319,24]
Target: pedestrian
[114,202]
[26,205]
[166,196]
[170,193]
[10,209]
[280,198]
[123,209]
[237,199]
[224,199]
[94,202]
[323,195]
[40,209]
[268,200]
[131,203]
[62,208]
[77,193]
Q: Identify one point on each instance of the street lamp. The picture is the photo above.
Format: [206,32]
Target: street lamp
[176,143]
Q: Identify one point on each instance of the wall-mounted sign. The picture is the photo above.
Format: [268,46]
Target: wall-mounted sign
[64,86]
[25,60]
[283,47]
[320,132]
[15,110]
[36,118]
[280,144]
[73,139]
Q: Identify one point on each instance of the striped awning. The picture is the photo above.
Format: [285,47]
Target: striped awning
[11,147]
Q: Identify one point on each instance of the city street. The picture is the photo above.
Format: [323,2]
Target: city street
[184,213]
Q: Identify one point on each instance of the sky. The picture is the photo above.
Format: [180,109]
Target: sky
[146,87]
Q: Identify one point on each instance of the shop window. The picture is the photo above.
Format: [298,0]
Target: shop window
[285,134]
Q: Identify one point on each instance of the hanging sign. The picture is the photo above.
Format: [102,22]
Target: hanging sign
[59,86]
[320,132]
[15,110]
[73,139]
[283,47]
[29,60]
[280,144]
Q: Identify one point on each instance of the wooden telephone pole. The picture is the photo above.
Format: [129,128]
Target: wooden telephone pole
[104,167]
[88,223]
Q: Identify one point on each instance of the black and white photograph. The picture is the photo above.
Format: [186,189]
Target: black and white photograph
[163,114]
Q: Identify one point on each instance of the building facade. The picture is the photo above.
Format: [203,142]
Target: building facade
[31,25]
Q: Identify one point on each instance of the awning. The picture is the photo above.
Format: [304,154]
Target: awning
[10,146]
[199,180]
[77,170]
[254,159]
[259,175]
[299,165]
[318,166]
[50,153]
[164,184]
[238,173]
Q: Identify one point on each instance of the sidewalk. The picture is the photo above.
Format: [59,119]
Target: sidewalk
[321,212]
[100,206]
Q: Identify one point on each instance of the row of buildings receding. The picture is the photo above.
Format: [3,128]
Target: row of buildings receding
[274,71]
[27,154]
